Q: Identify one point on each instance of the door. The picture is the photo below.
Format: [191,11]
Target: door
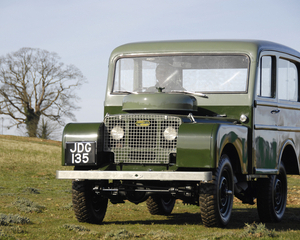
[266,112]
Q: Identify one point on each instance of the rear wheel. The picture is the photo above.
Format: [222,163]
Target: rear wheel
[216,196]
[88,206]
[272,195]
[160,205]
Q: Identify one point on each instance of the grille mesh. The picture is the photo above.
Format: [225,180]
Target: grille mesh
[143,140]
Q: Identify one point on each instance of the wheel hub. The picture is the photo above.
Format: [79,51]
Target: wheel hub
[278,195]
[224,195]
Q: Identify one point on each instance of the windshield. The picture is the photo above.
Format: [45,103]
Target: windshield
[202,74]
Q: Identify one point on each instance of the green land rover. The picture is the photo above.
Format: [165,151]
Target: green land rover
[200,121]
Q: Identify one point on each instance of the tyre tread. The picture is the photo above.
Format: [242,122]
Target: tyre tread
[208,199]
[79,202]
[208,204]
[156,207]
[265,205]
[82,204]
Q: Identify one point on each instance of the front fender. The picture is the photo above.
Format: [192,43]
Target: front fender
[83,132]
[195,145]
[200,145]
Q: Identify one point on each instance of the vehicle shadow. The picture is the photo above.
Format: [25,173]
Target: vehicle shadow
[173,219]
[240,217]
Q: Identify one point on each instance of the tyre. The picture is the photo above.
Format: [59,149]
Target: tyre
[271,197]
[88,206]
[216,196]
[160,205]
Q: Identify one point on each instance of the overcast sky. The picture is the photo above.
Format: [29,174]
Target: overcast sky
[84,32]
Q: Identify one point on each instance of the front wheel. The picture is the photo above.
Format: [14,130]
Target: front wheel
[160,205]
[272,195]
[88,206]
[216,196]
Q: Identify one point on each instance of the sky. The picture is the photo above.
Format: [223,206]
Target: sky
[84,33]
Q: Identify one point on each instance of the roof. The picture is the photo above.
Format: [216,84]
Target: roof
[250,47]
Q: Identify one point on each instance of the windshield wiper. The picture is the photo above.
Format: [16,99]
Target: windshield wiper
[124,91]
[192,93]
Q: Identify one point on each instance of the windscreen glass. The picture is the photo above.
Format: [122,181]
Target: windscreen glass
[205,74]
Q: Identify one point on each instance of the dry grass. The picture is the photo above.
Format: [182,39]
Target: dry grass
[27,206]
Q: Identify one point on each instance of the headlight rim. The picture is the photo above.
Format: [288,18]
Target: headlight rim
[117,133]
[170,133]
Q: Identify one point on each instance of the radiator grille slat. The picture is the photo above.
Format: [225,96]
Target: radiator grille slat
[143,141]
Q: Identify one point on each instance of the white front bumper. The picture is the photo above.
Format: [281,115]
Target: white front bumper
[135,175]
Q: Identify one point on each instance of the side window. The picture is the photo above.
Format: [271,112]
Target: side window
[287,80]
[266,86]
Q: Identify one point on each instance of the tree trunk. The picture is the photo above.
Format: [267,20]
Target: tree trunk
[45,131]
[32,121]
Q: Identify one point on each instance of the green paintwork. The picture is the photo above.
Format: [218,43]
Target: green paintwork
[267,150]
[195,146]
[81,132]
[141,167]
[236,136]
[112,110]
[201,144]
[229,112]
[159,102]
[196,46]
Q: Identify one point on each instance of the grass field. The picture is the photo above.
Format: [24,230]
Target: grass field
[35,205]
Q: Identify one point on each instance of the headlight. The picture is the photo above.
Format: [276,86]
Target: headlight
[117,133]
[170,133]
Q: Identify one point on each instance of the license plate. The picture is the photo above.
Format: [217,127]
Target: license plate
[80,153]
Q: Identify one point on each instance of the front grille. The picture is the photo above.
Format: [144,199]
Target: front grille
[143,138]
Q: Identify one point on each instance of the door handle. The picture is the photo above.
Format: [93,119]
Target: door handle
[275,111]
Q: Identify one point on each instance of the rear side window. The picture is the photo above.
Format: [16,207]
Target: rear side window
[287,80]
[266,87]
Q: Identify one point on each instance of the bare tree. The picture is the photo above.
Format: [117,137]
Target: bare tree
[48,129]
[33,83]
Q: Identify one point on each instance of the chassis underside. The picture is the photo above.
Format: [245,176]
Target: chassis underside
[139,191]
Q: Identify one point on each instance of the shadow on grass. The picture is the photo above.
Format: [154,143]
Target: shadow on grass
[239,217]
[173,219]
[290,221]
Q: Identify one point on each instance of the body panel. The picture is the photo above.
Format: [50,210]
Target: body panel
[196,150]
[159,102]
[275,119]
[238,137]
[83,132]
